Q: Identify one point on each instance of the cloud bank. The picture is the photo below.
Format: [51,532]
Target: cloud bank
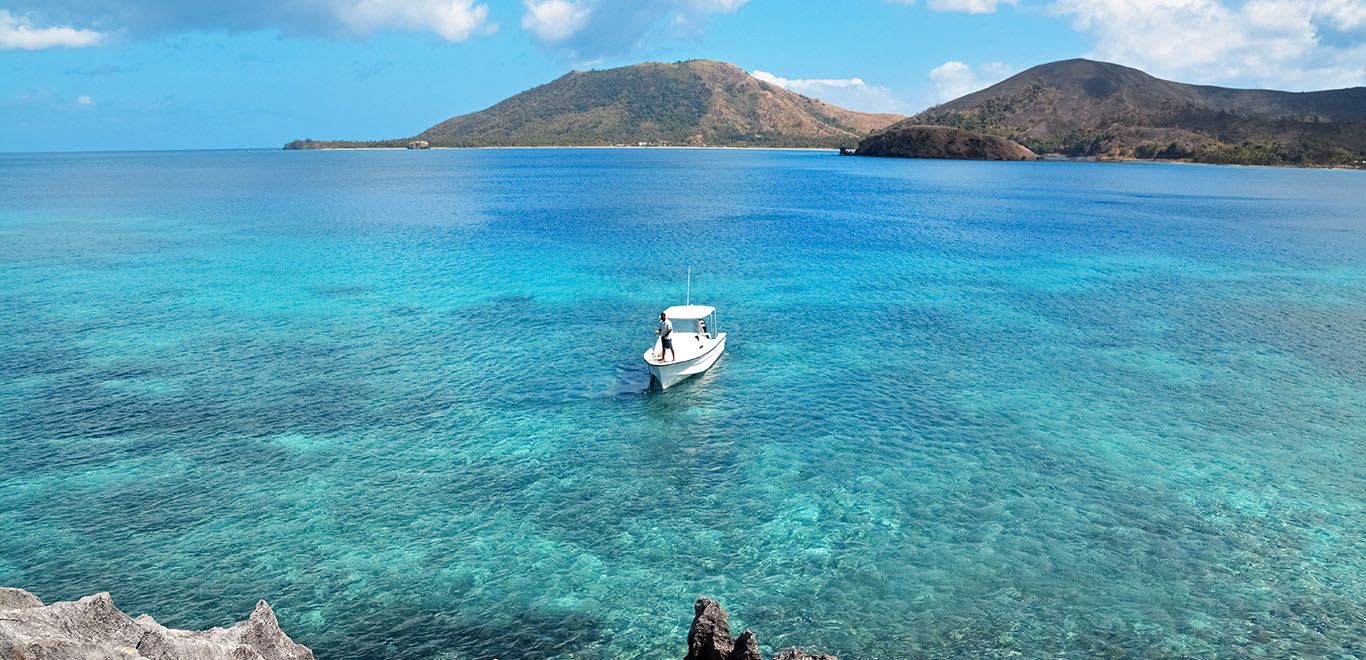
[589,30]
[553,21]
[1299,44]
[969,6]
[849,93]
[452,20]
[953,79]
[21,33]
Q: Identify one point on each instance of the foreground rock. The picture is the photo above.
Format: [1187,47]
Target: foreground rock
[709,638]
[92,628]
[911,141]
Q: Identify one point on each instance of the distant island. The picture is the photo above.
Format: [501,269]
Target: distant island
[692,103]
[1082,108]
[905,140]
[1074,108]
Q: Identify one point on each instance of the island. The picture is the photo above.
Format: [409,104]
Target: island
[693,103]
[918,141]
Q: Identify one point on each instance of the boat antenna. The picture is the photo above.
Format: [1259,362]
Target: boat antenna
[687,298]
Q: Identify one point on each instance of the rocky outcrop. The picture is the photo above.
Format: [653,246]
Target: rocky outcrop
[709,638]
[795,653]
[92,628]
[17,599]
[914,141]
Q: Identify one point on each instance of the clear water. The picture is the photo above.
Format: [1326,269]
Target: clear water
[968,409]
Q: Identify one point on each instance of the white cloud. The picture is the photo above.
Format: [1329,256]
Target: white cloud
[553,21]
[19,33]
[590,30]
[454,20]
[953,79]
[1343,15]
[1273,43]
[722,6]
[969,6]
[690,14]
[585,30]
[84,100]
[850,93]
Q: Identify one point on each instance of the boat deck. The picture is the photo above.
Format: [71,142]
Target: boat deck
[687,345]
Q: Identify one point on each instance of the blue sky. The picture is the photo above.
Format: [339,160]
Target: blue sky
[185,74]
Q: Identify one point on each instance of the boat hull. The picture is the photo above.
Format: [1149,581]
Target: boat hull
[672,373]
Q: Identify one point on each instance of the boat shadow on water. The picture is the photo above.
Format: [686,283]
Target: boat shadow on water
[634,381]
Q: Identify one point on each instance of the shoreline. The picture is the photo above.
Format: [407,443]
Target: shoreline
[567,146]
[1043,158]
[94,626]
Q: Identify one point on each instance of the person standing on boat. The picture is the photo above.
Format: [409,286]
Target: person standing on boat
[665,332]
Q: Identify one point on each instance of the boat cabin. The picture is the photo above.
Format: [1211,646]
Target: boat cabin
[696,319]
[695,333]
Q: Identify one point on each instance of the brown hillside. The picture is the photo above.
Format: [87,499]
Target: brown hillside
[697,102]
[1086,108]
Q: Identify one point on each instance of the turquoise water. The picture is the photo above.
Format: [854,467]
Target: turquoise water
[967,409]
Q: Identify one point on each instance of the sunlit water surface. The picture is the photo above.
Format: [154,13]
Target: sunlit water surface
[967,409]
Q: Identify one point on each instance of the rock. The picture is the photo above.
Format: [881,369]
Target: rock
[901,140]
[795,653]
[88,628]
[94,629]
[17,599]
[709,638]
[746,647]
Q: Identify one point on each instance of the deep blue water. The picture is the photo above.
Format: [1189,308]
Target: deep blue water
[967,409]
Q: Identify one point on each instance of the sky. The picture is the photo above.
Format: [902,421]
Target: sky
[92,75]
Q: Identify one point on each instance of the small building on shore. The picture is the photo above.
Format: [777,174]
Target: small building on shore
[419,144]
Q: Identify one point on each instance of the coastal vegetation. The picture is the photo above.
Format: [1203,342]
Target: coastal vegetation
[914,141]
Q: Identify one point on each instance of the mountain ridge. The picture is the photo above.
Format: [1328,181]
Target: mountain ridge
[687,103]
[1086,108]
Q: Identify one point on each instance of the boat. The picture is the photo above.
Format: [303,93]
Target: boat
[696,345]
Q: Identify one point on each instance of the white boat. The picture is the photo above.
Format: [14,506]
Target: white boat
[694,350]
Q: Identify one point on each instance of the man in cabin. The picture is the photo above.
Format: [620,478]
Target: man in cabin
[665,332]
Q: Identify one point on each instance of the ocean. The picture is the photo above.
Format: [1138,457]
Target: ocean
[967,409]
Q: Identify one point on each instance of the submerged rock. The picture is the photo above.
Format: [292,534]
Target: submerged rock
[92,628]
[709,638]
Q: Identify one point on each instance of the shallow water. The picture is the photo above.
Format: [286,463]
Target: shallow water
[967,409]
